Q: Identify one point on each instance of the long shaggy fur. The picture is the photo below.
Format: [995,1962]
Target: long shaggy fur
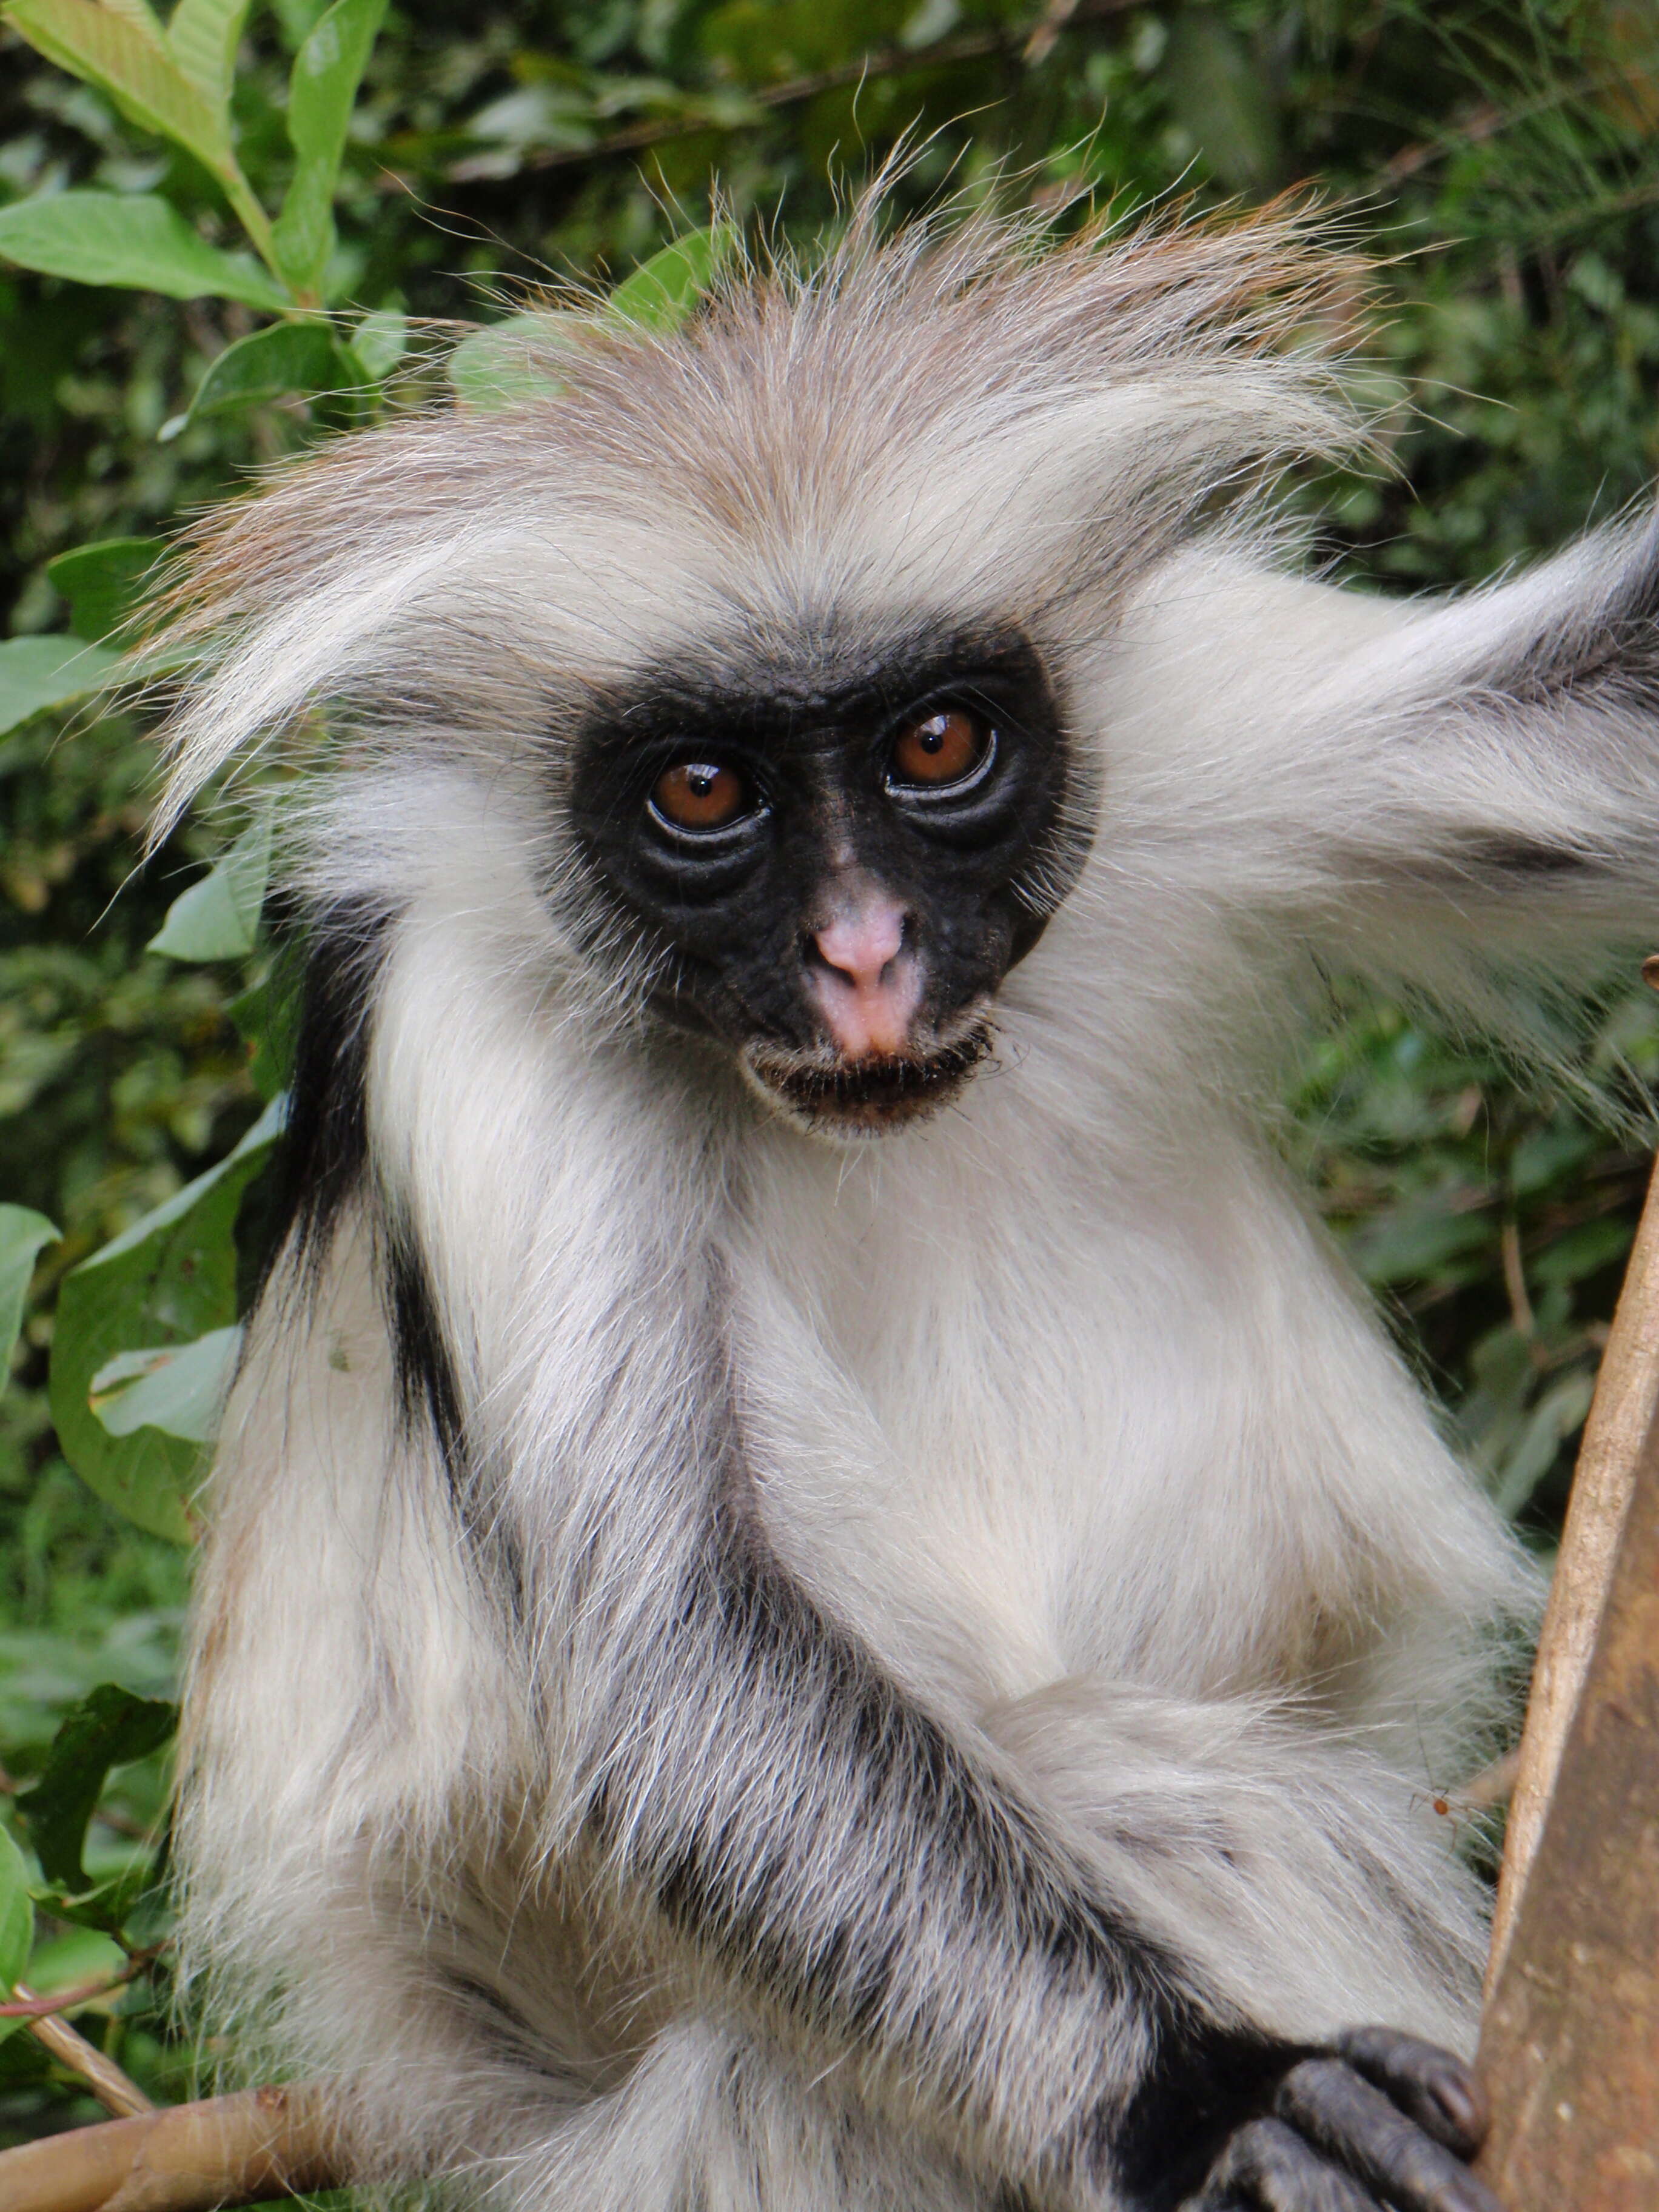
[735,1673]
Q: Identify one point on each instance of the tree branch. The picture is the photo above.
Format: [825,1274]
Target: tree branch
[1626,1396]
[1570,2046]
[224,2151]
[116,2092]
[25,2005]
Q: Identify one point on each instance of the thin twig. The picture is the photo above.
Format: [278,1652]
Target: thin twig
[1485,122]
[1514,1283]
[117,2092]
[1492,1785]
[1043,41]
[1515,1280]
[25,2005]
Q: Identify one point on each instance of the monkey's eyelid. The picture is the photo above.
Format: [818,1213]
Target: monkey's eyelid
[718,833]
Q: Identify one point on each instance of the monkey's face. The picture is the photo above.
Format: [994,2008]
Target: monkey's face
[833,868]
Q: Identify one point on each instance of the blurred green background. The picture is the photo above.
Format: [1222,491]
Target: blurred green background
[1503,160]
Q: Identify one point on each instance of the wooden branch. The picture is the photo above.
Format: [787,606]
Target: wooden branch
[225,2151]
[1492,1785]
[115,2091]
[1626,1396]
[1043,41]
[24,2004]
[1570,2050]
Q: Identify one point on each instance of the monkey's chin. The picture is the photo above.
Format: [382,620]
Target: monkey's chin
[852,1101]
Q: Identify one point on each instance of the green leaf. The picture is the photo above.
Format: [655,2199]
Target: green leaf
[1222,100]
[1572,1254]
[1557,1416]
[178,1388]
[203,36]
[266,1018]
[143,18]
[66,1962]
[104,583]
[108,1903]
[378,343]
[287,357]
[321,91]
[218,917]
[1423,1237]
[512,360]
[38,672]
[171,1279]
[135,239]
[17,1920]
[117,52]
[298,19]
[22,1233]
[664,291]
[109,1727]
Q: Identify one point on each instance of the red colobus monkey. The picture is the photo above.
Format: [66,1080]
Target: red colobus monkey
[823,1595]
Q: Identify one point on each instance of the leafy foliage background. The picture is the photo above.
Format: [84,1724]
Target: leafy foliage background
[1504,159]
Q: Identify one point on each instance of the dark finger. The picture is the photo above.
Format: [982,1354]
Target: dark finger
[1268,2167]
[1357,2125]
[1433,2085]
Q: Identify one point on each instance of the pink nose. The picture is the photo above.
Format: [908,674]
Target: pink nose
[866,981]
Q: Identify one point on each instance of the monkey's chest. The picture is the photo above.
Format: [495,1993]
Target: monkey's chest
[1014,1496]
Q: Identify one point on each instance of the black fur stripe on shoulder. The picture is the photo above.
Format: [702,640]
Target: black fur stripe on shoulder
[325,1149]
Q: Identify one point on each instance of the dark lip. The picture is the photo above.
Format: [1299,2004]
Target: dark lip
[868,1097]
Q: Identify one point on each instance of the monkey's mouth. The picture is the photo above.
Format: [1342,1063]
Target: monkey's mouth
[841,1097]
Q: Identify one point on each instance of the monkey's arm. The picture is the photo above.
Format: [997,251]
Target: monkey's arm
[1423,787]
[1508,755]
[880,1887]
[886,1896]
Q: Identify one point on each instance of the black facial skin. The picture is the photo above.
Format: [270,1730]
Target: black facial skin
[823,807]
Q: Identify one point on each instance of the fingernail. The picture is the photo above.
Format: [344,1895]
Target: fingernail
[1463,2105]
[1473,2196]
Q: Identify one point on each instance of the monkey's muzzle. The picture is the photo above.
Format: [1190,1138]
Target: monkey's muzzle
[836,1097]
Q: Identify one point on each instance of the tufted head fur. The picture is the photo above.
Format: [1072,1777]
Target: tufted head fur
[846,491]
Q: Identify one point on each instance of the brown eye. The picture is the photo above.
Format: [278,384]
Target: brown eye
[700,795]
[940,749]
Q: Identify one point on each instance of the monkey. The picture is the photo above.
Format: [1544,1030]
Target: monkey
[822,1594]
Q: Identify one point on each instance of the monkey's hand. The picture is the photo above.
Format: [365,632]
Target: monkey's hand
[1384,2120]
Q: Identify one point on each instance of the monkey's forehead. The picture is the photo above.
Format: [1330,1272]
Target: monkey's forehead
[904,408]
[534,540]
[954,432]
[833,672]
